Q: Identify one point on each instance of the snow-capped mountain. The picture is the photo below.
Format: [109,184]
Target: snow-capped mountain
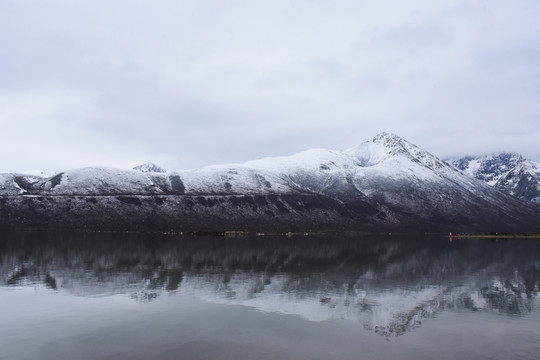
[508,172]
[383,183]
[149,167]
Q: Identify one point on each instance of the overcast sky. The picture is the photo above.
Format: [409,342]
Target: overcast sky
[193,83]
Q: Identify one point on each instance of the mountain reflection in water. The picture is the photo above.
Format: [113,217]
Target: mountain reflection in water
[388,285]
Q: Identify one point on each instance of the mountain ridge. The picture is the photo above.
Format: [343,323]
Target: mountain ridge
[507,171]
[385,183]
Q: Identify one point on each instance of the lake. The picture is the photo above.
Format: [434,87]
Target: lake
[126,296]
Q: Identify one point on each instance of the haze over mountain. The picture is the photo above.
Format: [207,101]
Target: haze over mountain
[385,183]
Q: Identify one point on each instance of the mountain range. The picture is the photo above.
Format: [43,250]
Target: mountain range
[508,172]
[386,184]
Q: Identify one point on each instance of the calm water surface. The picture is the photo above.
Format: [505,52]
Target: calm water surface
[95,296]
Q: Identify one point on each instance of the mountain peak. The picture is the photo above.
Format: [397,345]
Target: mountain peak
[506,157]
[149,167]
[384,137]
[507,171]
[393,142]
[391,145]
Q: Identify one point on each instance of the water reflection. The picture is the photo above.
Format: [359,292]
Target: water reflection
[388,285]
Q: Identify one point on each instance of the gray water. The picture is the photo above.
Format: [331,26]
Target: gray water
[111,296]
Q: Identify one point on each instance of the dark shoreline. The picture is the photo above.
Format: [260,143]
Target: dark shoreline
[255,213]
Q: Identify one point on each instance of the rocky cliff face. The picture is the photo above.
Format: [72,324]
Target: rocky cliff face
[383,184]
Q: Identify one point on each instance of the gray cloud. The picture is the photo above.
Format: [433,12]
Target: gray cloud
[188,84]
[411,38]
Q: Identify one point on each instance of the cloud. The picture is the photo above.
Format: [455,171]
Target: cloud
[411,38]
[190,84]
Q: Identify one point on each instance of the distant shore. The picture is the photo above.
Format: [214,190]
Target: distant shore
[494,236]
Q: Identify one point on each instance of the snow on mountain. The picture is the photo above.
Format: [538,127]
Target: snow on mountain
[13,184]
[149,167]
[312,171]
[318,170]
[508,172]
[40,173]
[386,146]
[383,181]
